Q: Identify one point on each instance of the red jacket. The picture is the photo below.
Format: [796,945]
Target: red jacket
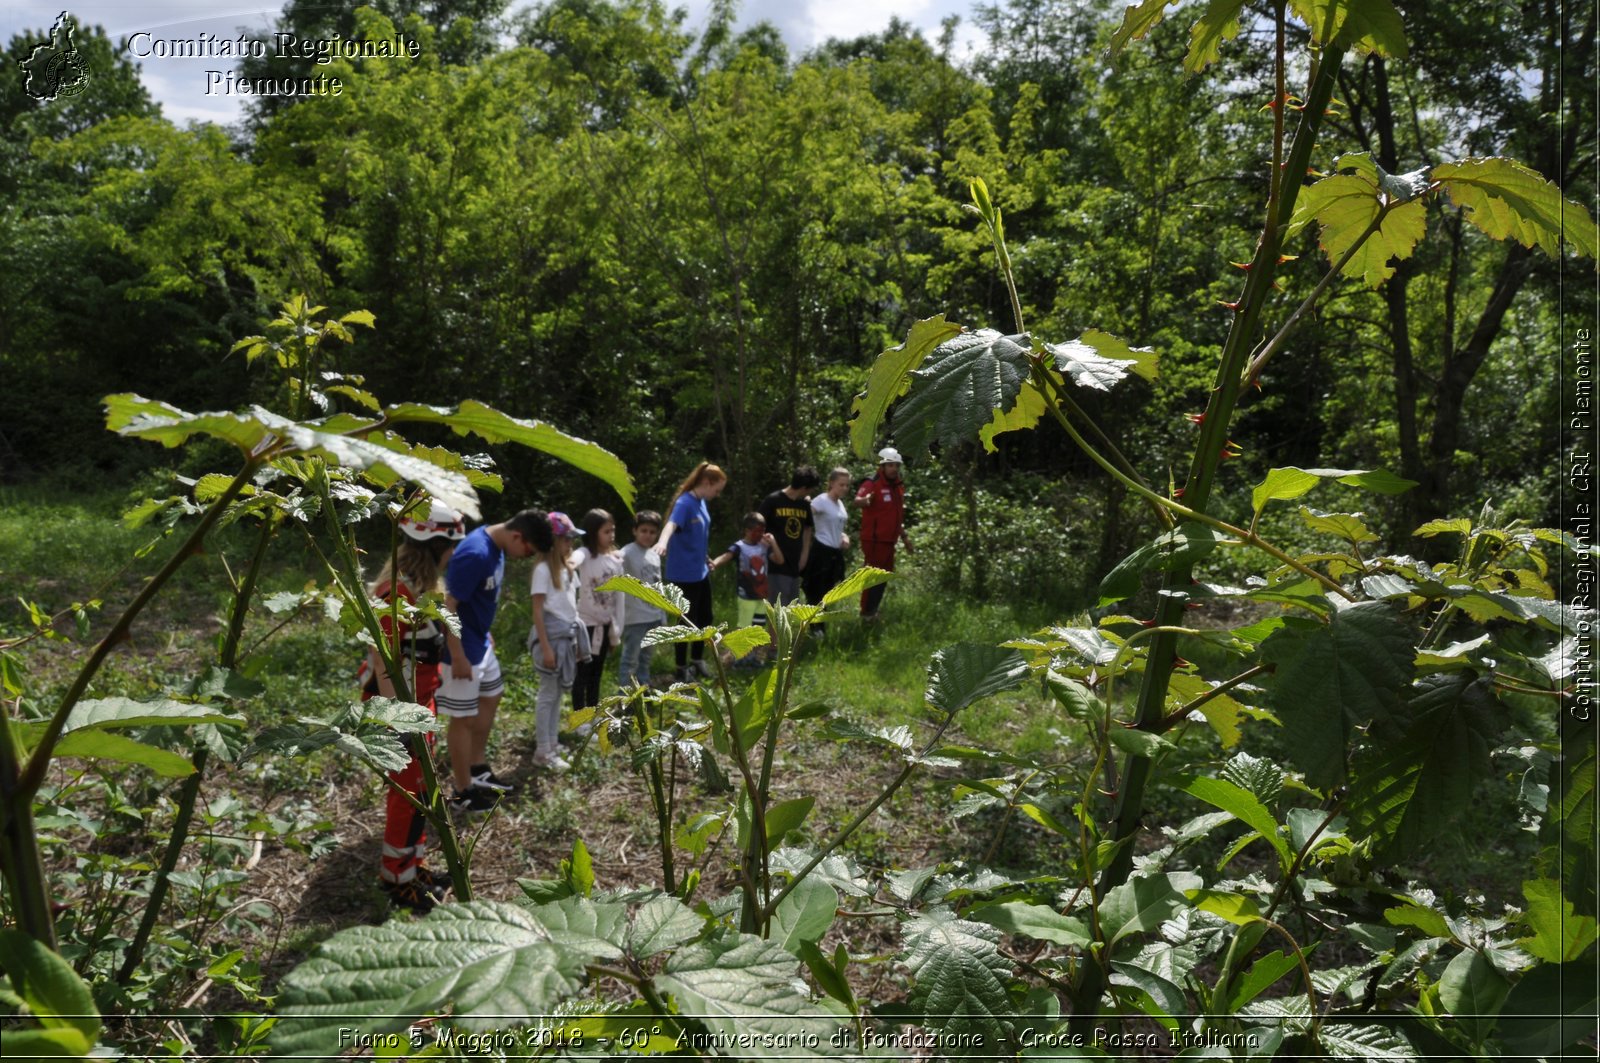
[883,518]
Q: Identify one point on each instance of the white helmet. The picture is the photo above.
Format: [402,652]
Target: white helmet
[890,456]
[441,522]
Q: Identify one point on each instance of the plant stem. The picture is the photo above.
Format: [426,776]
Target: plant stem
[1197,491]
[1178,715]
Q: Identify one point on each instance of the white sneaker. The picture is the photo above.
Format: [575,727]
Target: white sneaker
[555,764]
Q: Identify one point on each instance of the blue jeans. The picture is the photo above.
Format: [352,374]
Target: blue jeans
[631,670]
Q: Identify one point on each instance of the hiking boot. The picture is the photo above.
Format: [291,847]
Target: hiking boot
[438,885]
[474,799]
[484,776]
[412,895]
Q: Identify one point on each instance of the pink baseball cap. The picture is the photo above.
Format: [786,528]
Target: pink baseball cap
[562,527]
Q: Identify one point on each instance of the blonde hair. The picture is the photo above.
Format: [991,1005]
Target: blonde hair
[548,558]
[703,473]
[418,563]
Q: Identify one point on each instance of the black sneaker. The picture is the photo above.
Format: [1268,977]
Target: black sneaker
[412,895]
[484,776]
[474,799]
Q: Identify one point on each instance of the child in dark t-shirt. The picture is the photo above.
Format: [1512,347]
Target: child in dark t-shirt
[755,553]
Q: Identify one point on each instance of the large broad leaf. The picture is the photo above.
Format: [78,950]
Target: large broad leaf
[1549,1010]
[1472,990]
[114,713]
[1023,414]
[961,978]
[490,964]
[134,415]
[1219,22]
[890,377]
[1346,206]
[785,817]
[961,674]
[1243,806]
[1560,934]
[1405,793]
[1334,677]
[92,744]
[1364,25]
[668,600]
[661,923]
[1509,201]
[805,915]
[855,583]
[965,380]
[1037,922]
[1292,482]
[1138,20]
[1144,903]
[57,998]
[740,986]
[1169,552]
[1100,361]
[367,730]
[492,426]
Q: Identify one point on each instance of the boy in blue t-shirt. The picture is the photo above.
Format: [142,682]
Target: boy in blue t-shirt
[755,553]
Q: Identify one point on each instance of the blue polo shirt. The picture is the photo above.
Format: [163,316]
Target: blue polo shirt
[473,579]
[686,550]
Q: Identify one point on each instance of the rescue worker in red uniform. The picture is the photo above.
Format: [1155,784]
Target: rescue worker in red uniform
[882,498]
[428,537]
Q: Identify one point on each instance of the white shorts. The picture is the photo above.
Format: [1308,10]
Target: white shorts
[459,697]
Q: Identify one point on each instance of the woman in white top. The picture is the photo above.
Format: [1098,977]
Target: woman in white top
[558,641]
[828,515]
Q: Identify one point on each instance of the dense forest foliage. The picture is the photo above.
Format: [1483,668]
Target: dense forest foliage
[687,240]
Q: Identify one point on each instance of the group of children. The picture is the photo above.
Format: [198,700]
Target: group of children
[795,539]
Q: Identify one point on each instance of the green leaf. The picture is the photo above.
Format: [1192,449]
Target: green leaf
[1560,935]
[961,978]
[94,744]
[1472,990]
[804,916]
[753,710]
[660,924]
[1133,741]
[1142,904]
[1023,414]
[1426,920]
[966,379]
[1219,23]
[829,975]
[1222,712]
[890,378]
[855,583]
[785,817]
[1046,820]
[661,636]
[655,596]
[58,1042]
[742,640]
[1351,527]
[1346,206]
[109,713]
[1509,201]
[486,961]
[52,990]
[1165,998]
[738,985]
[1236,908]
[1335,677]
[1262,974]
[1100,361]
[1551,1009]
[1172,551]
[1138,20]
[1291,482]
[492,426]
[141,418]
[1036,921]
[1243,806]
[1405,792]
[961,674]
[578,869]
[1364,25]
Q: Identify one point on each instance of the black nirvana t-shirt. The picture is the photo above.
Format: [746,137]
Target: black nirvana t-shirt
[788,519]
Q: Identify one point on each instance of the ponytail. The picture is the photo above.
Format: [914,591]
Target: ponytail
[702,472]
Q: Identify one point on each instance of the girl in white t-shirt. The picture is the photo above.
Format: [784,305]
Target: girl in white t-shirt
[828,516]
[558,641]
[598,560]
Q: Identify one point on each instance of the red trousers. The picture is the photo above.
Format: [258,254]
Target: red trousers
[878,555]
[405,830]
